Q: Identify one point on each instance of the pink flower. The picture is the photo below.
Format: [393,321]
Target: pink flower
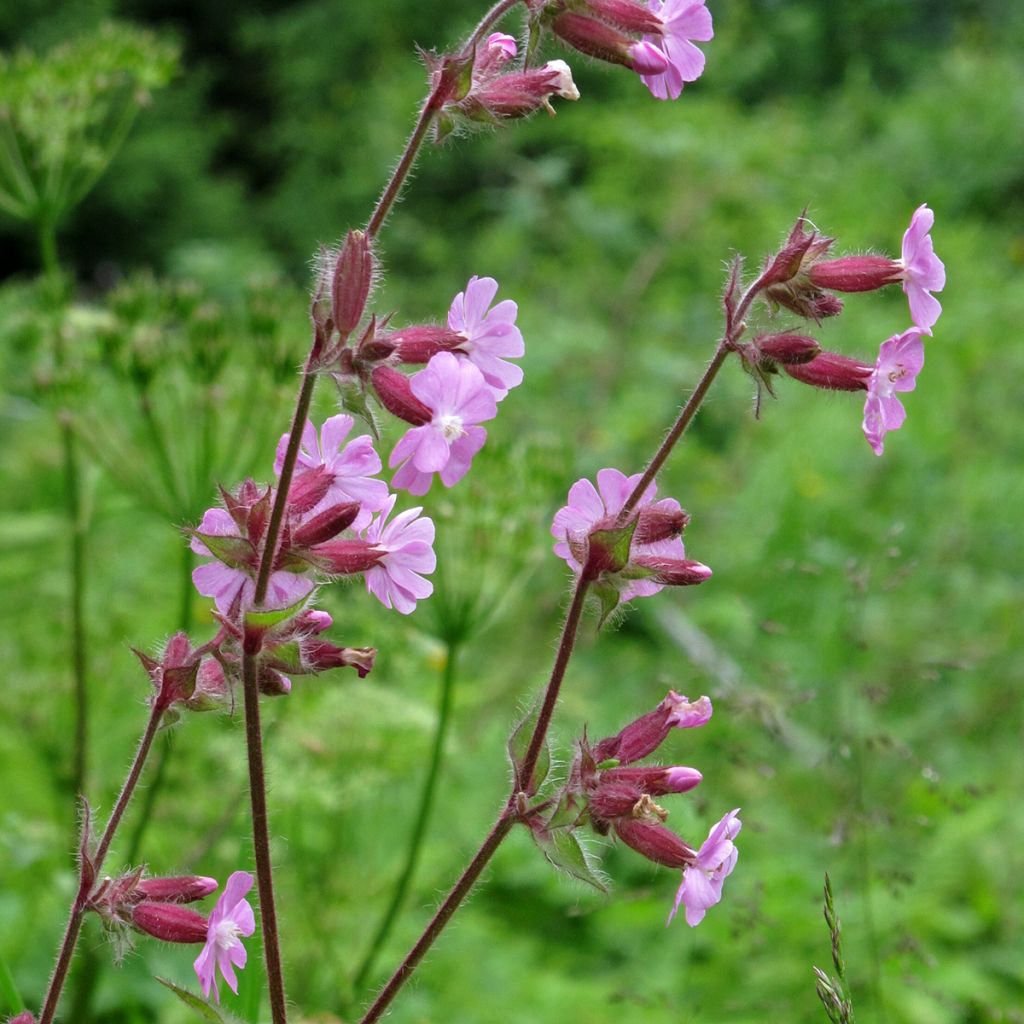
[593,508]
[899,362]
[503,44]
[491,334]
[224,582]
[458,398]
[701,887]
[684,21]
[351,469]
[232,917]
[407,546]
[923,271]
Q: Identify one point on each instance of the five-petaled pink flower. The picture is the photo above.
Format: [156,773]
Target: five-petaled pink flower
[407,546]
[232,917]
[352,467]
[224,583]
[593,508]
[899,362]
[923,271]
[491,333]
[458,398]
[701,887]
[684,21]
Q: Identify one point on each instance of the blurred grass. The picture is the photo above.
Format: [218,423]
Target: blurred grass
[860,637]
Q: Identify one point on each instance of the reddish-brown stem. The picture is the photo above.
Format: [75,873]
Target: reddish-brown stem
[451,903]
[505,821]
[67,947]
[261,840]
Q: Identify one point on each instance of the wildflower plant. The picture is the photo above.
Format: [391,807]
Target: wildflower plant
[327,510]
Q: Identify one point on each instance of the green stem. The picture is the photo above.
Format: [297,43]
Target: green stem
[422,819]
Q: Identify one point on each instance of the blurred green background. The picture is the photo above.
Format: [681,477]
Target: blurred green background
[860,637]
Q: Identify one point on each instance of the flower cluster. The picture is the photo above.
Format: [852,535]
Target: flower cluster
[802,280]
[656,39]
[157,907]
[634,558]
[610,791]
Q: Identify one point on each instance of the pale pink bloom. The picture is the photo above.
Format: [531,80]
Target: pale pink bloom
[647,59]
[899,362]
[502,44]
[701,887]
[224,583]
[684,21]
[407,546]
[923,271]
[491,334]
[458,398]
[592,508]
[352,467]
[232,917]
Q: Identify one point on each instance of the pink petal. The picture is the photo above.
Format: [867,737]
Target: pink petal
[334,432]
[461,455]
[480,294]
[432,453]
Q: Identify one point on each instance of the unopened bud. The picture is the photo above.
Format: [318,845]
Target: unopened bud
[673,572]
[320,655]
[420,343]
[395,394]
[627,15]
[855,273]
[170,922]
[346,557]
[326,525]
[644,735]
[833,372]
[800,247]
[185,889]
[656,524]
[23,1018]
[594,38]
[614,798]
[350,285]
[308,489]
[656,781]
[787,348]
[272,683]
[806,301]
[655,842]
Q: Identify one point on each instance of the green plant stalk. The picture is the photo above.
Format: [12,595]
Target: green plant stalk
[423,814]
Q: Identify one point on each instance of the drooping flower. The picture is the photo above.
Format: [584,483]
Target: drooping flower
[684,21]
[923,271]
[348,470]
[701,887]
[457,398]
[407,550]
[232,574]
[232,918]
[900,360]
[491,333]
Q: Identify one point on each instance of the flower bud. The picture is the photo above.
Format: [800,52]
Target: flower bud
[321,655]
[184,889]
[855,273]
[326,525]
[655,842]
[800,248]
[595,38]
[833,372]
[308,489]
[656,524]
[211,687]
[350,284]
[272,683]
[170,922]
[614,798]
[520,94]
[787,348]
[648,732]
[673,572]
[419,344]
[23,1018]
[346,557]
[627,15]
[655,781]
[395,394]
[806,301]
[647,59]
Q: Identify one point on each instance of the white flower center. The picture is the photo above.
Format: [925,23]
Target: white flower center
[225,935]
[450,427]
[898,373]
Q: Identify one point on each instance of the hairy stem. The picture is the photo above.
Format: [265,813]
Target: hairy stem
[74,925]
[422,819]
[261,840]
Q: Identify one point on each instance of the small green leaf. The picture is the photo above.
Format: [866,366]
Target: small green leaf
[563,851]
[204,1010]
[265,618]
[609,599]
[236,552]
[519,744]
